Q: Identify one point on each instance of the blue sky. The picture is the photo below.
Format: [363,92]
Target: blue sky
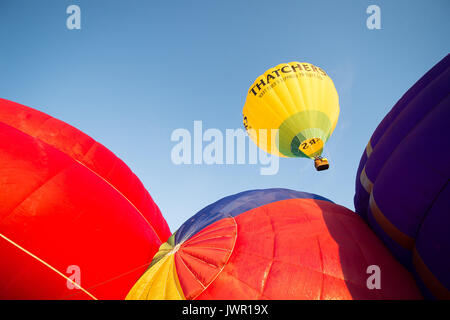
[137,70]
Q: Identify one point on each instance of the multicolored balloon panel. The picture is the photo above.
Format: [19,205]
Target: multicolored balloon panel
[67,202]
[402,183]
[273,244]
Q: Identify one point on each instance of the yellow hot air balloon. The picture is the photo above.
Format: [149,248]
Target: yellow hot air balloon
[291,111]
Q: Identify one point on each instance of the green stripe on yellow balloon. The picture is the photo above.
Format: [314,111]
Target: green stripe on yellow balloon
[301,127]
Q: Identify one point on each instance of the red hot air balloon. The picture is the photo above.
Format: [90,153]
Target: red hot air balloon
[69,204]
[274,244]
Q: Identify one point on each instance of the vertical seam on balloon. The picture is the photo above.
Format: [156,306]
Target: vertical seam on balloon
[316,120]
[292,103]
[299,87]
[337,112]
[166,277]
[190,271]
[177,280]
[303,98]
[225,263]
[116,161]
[47,265]
[322,284]
[269,267]
[316,116]
[304,101]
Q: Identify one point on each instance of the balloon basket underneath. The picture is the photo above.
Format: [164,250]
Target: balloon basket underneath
[321,164]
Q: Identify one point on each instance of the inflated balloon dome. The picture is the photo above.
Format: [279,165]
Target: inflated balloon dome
[300,102]
[274,244]
[75,222]
[402,183]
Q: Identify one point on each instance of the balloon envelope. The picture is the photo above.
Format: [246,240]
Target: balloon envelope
[291,110]
[71,213]
[273,244]
[402,184]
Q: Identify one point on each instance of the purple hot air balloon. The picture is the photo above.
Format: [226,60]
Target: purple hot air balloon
[402,183]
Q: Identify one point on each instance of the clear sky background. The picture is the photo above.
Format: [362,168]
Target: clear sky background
[137,70]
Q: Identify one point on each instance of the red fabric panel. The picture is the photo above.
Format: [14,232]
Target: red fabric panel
[202,257]
[86,150]
[307,249]
[53,206]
